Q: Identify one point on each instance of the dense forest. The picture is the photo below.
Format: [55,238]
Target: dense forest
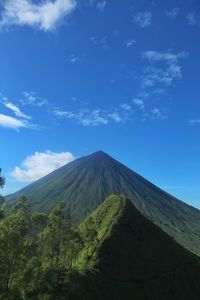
[39,252]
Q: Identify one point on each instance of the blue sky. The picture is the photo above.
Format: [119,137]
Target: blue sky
[120,76]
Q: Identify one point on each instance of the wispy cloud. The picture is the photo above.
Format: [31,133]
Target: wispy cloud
[194,121]
[45,15]
[126,106]
[13,123]
[160,71]
[30,98]
[154,113]
[16,110]
[120,114]
[84,117]
[40,164]
[96,117]
[98,4]
[192,19]
[158,114]
[19,120]
[73,58]
[102,42]
[101,5]
[92,118]
[130,43]
[159,74]
[173,13]
[139,103]
[143,19]
[116,116]
[167,56]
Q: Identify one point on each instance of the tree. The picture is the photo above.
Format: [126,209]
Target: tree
[14,244]
[54,238]
[38,252]
[2,180]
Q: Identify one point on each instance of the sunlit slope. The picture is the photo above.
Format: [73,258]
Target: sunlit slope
[84,184]
[133,259]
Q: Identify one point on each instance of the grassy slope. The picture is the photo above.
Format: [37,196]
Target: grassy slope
[133,259]
[84,184]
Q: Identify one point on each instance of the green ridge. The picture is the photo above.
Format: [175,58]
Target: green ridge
[133,259]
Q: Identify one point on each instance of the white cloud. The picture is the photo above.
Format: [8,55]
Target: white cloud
[153,76]
[20,120]
[73,58]
[116,117]
[13,123]
[173,13]
[15,109]
[167,56]
[139,103]
[162,74]
[45,15]
[62,113]
[126,106]
[158,114]
[130,43]
[93,118]
[101,5]
[143,19]
[30,98]
[84,117]
[119,114]
[40,164]
[96,117]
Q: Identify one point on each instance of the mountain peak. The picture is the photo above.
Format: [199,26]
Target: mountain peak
[100,153]
[99,156]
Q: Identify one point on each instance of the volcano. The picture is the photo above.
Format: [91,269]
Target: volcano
[85,183]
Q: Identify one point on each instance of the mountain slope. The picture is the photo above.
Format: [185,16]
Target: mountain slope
[84,183]
[134,259]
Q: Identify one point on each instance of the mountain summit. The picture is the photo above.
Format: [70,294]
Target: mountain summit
[84,184]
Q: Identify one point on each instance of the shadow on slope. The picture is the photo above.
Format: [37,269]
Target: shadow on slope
[132,259]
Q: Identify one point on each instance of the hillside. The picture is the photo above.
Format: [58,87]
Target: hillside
[84,183]
[133,259]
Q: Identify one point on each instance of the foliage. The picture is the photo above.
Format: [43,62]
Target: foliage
[37,251]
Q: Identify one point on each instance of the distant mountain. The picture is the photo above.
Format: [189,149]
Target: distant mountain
[133,259]
[84,183]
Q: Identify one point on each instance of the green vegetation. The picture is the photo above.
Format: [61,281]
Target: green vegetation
[115,253]
[36,250]
[86,182]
